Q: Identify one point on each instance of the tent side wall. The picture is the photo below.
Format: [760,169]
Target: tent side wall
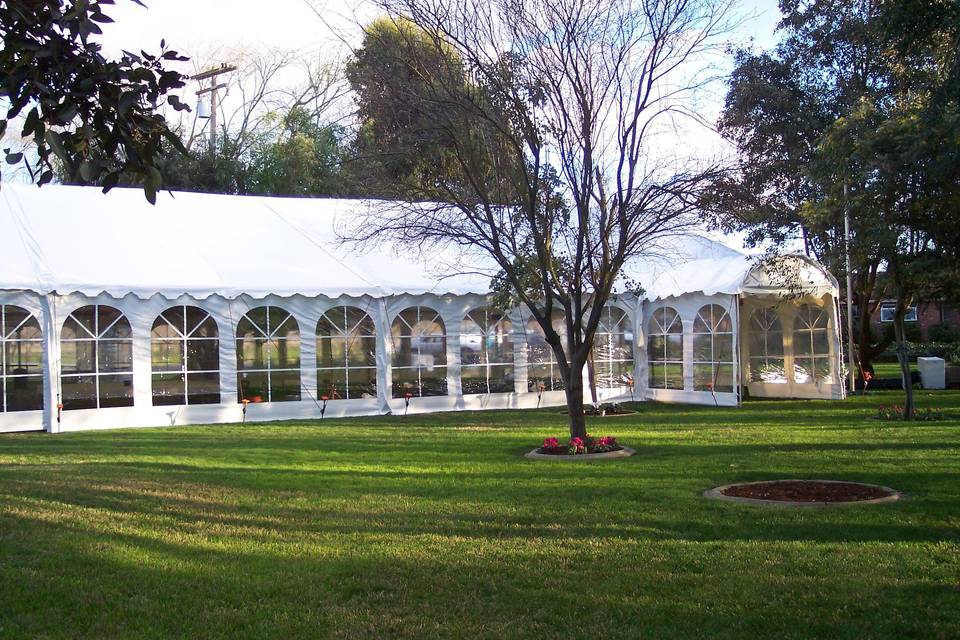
[791,347]
[53,311]
[708,371]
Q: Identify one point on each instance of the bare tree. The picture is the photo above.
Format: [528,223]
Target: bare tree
[266,84]
[549,111]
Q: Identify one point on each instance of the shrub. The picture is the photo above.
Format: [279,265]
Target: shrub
[943,332]
[947,350]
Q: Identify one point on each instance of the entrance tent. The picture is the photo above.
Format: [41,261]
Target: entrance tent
[208,308]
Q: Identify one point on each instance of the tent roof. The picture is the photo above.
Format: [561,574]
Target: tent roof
[76,239]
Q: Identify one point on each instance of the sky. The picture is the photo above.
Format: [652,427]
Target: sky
[191,24]
[209,30]
[202,29]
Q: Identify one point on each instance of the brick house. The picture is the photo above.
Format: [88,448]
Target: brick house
[924,313]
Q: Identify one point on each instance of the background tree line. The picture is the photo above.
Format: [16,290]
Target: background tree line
[856,110]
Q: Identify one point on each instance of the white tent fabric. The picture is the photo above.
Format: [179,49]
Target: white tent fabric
[72,239]
[65,247]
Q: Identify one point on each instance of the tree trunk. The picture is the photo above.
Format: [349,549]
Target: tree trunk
[592,377]
[903,358]
[574,391]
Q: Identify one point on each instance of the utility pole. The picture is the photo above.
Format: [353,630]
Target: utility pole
[846,241]
[212,90]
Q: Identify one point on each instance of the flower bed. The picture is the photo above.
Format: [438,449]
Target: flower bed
[894,412]
[579,446]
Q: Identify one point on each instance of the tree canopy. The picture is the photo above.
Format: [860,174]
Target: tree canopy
[98,117]
[855,110]
[527,129]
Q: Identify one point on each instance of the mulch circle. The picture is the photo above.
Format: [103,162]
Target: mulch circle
[804,493]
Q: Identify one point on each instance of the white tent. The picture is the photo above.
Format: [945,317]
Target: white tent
[114,312]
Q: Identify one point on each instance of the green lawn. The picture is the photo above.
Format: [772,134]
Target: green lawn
[437,527]
[890,369]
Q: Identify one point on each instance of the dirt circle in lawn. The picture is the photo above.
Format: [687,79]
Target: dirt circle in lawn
[804,493]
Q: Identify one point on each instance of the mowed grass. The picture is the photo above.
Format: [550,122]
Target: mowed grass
[435,526]
[891,369]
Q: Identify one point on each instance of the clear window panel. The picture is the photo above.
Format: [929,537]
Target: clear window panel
[362,351]
[537,348]
[175,317]
[86,318]
[79,392]
[282,324]
[723,347]
[252,353]
[405,381]
[433,381]
[499,347]
[702,348]
[284,354]
[29,330]
[168,389]
[203,388]
[702,377]
[403,355]
[501,379]
[203,355]
[332,383]
[471,348]
[115,355]
[120,330]
[655,348]
[253,386]
[538,374]
[162,330]
[284,386]
[658,376]
[335,352]
[167,355]
[822,370]
[473,379]
[357,320]
[24,394]
[821,342]
[723,378]
[326,348]
[768,370]
[116,391]
[675,346]
[362,383]
[674,372]
[757,343]
[432,350]
[620,347]
[613,375]
[256,321]
[802,343]
[206,329]
[13,317]
[78,357]
[802,370]
[24,358]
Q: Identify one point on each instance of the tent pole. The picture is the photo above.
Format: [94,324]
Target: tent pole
[846,241]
